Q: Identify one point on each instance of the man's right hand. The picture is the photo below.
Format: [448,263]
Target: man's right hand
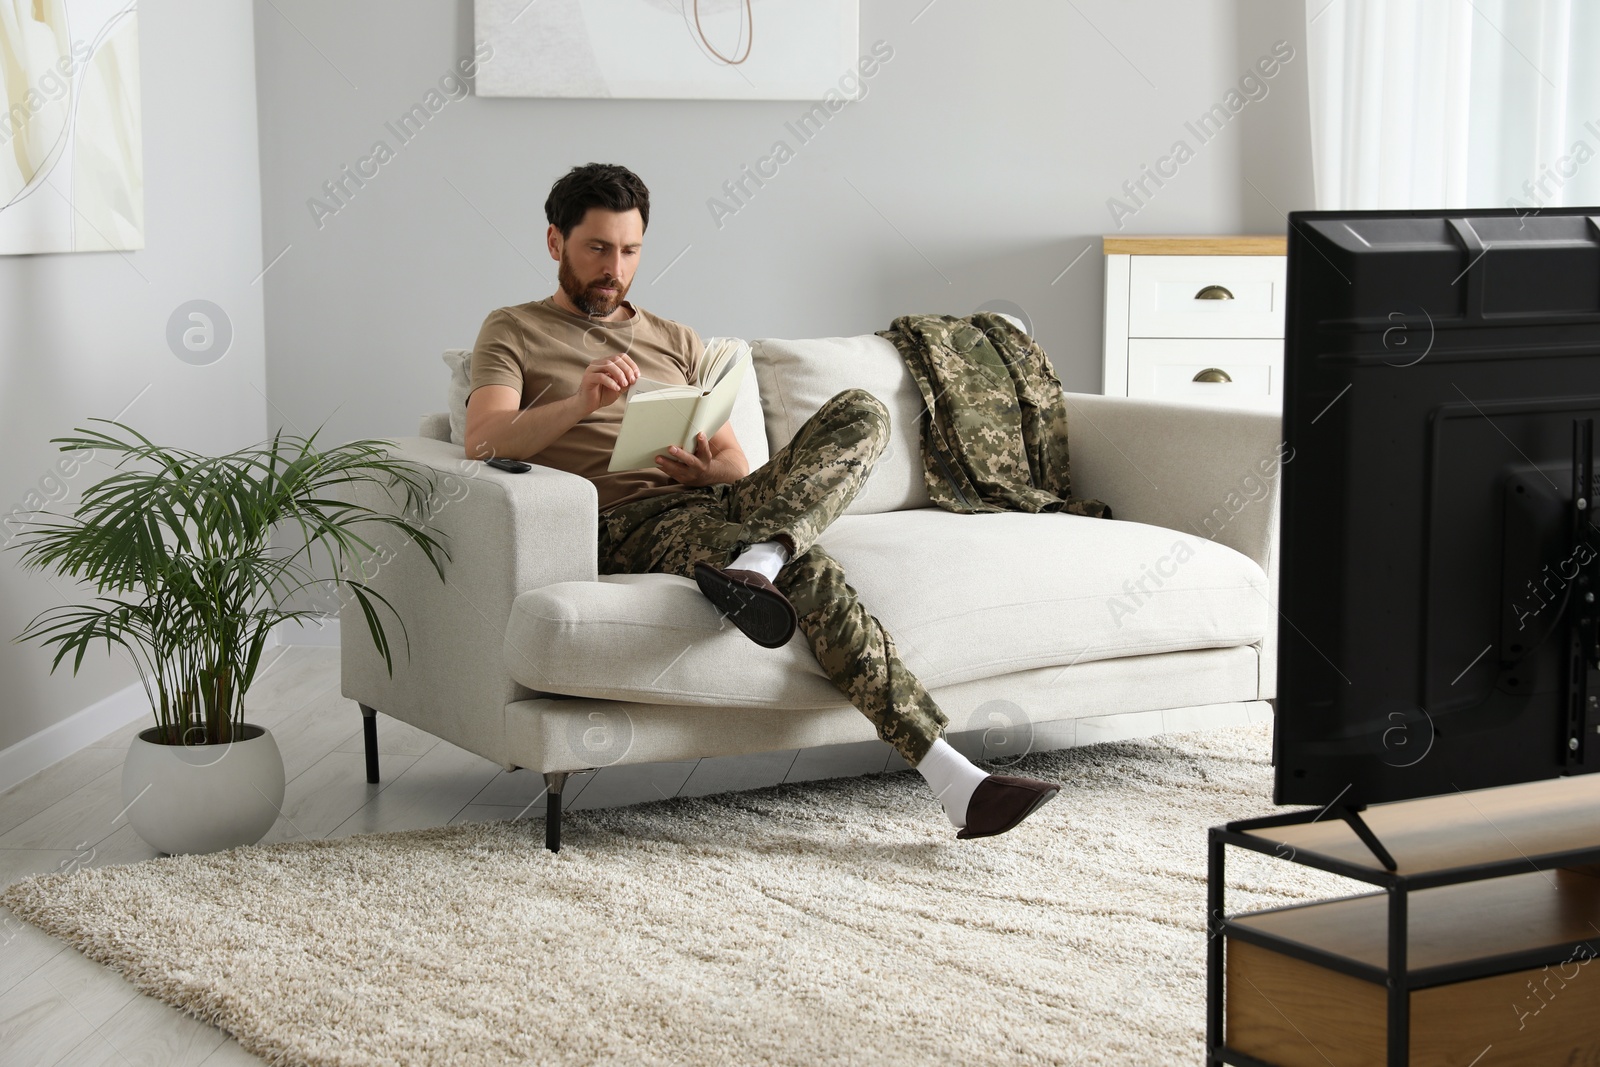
[606,379]
[498,424]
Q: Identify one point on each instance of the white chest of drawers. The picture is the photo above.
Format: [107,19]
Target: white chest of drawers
[1195,319]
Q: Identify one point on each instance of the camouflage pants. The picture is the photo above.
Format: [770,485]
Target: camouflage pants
[793,497]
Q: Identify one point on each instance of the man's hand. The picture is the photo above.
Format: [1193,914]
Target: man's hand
[701,468]
[605,380]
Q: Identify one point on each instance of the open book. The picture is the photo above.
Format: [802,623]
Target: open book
[660,415]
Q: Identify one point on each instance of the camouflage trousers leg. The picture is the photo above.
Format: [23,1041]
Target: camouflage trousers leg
[793,497]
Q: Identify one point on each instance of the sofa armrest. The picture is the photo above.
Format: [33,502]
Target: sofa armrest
[1212,472]
[506,534]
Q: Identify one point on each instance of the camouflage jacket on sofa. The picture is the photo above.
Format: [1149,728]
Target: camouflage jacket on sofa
[994,427]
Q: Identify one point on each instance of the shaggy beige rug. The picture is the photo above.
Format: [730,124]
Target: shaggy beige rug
[833,922]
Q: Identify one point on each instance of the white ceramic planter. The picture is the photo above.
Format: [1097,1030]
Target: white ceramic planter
[203,798]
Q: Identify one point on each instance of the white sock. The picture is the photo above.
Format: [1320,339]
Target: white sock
[953,778]
[765,558]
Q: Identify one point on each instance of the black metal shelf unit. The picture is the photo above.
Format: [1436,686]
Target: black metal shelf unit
[1398,979]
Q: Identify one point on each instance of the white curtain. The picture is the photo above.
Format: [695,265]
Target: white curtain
[1454,103]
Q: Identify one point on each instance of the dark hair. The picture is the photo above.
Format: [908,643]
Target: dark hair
[605,185]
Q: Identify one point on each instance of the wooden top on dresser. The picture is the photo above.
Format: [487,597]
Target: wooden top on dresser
[1157,245]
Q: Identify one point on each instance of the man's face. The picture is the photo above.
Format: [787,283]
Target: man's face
[598,259]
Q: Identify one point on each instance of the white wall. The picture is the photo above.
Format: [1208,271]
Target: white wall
[83,334]
[977,167]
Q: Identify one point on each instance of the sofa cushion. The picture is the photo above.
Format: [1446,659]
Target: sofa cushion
[435,426]
[798,377]
[749,425]
[459,363]
[964,596]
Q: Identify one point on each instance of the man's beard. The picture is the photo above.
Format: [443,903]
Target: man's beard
[592,303]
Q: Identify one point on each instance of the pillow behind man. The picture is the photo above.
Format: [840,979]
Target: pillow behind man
[459,362]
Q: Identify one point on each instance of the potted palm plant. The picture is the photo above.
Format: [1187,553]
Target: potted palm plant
[195,559]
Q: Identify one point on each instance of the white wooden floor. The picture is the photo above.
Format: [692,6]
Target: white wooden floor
[58,1007]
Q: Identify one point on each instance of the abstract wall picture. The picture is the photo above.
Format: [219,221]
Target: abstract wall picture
[685,49]
[71,159]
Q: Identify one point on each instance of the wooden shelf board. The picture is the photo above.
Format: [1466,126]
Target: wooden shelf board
[1196,245]
[1452,924]
[1291,1013]
[1445,833]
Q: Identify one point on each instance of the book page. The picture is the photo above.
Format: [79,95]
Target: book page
[720,354]
[650,385]
[715,407]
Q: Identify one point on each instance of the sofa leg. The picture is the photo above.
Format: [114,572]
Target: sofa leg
[369,733]
[554,781]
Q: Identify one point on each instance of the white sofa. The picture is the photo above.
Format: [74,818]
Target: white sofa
[1040,630]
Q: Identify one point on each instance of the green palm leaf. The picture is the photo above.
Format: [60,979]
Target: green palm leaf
[196,559]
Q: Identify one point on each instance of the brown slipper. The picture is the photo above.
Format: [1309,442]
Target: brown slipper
[755,605]
[1001,802]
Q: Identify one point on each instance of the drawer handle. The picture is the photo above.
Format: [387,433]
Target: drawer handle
[1214,292]
[1213,374]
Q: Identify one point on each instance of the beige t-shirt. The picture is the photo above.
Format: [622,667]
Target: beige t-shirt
[542,351]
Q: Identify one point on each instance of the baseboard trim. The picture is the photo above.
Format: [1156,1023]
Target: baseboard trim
[322,632]
[77,731]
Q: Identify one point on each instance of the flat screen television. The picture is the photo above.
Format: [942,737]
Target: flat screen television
[1439,569]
